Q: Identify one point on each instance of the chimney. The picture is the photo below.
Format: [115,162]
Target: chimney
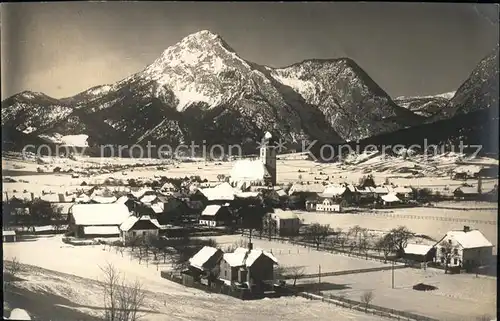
[479,185]
[32,196]
[466,228]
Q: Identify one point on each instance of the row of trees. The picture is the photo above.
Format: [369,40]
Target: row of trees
[32,213]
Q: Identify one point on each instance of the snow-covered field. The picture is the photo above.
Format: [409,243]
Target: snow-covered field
[169,300]
[458,297]
[421,220]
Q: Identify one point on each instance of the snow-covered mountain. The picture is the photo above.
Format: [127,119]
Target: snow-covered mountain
[479,90]
[426,106]
[201,89]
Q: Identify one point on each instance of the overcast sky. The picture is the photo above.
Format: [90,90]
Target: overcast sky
[407,48]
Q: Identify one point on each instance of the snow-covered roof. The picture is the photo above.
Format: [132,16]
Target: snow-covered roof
[467,169]
[247,194]
[417,249]
[334,190]
[132,220]
[83,198]
[281,193]
[56,198]
[140,193]
[122,199]
[284,215]
[168,187]
[19,314]
[365,190]
[469,240]
[243,257]
[211,210]
[101,230]
[222,191]
[148,198]
[103,199]
[390,198]
[99,214]
[467,190]
[381,190]
[312,188]
[202,257]
[158,207]
[402,190]
[9,233]
[246,170]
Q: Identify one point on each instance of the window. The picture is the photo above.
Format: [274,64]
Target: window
[442,259]
[133,233]
[455,261]
[225,273]
[455,251]
[144,233]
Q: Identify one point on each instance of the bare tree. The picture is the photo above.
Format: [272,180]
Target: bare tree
[13,267]
[269,226]
[296,272]
[366,298]
[385,244]
[317,233]
[122,301]
[400,237]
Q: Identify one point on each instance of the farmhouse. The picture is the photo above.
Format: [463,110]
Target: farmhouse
[390,200]
[248,266]
[338,192]
[205,263]
[464,248]
[215,215]
[138,227]
[403,193]
[87,220]
[287,222]
[9,236]
[465,192]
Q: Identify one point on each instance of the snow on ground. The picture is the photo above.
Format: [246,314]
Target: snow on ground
[458,297]
[168,298]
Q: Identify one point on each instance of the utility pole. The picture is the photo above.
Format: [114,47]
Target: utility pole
[319,275]
[393,273]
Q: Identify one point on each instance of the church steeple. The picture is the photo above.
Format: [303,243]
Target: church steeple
[268,157]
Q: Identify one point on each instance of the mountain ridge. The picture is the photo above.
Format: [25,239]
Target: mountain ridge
[200,88]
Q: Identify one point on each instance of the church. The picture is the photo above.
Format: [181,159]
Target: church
[257,172]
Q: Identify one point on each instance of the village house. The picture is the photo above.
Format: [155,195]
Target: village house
[204,265]
[466,193]
[365,195]
[287,222]
[220,194]
[251,267]
[339,192]
[9,236]
[138,227]
[464,248]
[216,215]
[402,192]
[390,200]
[87,220]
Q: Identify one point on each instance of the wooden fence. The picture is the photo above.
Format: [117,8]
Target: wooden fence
[367,308]
[316,275]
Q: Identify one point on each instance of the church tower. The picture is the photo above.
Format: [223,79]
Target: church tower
[268,158]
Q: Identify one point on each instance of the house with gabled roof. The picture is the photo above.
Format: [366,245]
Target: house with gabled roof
[205,263]
[216,215]
[139,227]
[87,220]
[465,248]
[247,266]
[287,222]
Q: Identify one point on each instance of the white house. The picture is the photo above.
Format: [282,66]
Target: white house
[221,192]
[135,227]
[9,236]
[329,205]
[390,199]
[464,248]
